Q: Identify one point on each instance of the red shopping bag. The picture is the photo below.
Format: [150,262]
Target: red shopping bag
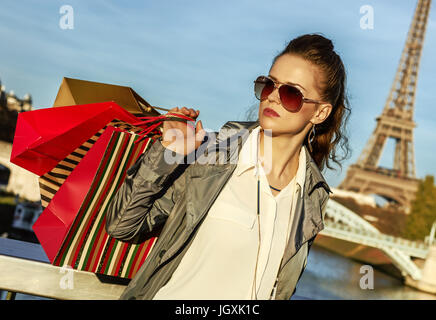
[55,221]
[44,137]
[50,182]
[71,228]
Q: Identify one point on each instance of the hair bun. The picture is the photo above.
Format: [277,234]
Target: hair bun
[325,42]
[319,40]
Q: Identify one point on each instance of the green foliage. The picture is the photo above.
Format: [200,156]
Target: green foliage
[423,211]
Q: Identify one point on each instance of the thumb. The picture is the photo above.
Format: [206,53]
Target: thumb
[200,132]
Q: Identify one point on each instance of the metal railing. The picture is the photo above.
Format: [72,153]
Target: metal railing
[411,248]
[24,268]
[340,213]
[399,258]
[344,224]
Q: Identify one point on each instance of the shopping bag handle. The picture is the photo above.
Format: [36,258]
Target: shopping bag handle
[151,123]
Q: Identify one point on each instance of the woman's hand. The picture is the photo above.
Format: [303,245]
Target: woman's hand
[180,137]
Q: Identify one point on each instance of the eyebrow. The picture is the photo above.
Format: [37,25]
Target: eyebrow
[291,83]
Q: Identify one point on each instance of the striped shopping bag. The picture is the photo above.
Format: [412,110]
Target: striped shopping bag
[50,182]
[87,246]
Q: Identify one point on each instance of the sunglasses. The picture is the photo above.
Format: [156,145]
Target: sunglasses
[290,96]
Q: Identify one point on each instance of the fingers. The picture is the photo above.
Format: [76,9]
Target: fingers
[187,112]
[190,112]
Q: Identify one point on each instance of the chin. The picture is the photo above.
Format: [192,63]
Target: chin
[277,128]
[268,122]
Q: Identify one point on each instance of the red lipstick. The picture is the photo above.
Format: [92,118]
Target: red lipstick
[270,112]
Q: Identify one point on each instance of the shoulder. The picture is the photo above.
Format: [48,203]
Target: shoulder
[235,127]
[234,124]
[316,186]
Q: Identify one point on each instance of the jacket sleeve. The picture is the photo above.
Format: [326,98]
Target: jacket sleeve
[145,199]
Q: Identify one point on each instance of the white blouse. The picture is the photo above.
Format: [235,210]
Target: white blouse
[220,263]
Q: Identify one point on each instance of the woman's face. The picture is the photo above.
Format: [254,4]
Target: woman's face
[305,76]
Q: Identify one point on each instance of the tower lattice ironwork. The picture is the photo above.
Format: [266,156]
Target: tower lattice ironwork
[396,121]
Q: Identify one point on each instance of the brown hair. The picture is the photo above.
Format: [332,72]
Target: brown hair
[330,133]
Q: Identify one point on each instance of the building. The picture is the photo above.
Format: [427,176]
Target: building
[13,178]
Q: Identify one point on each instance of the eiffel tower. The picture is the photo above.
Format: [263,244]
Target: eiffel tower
[398,184]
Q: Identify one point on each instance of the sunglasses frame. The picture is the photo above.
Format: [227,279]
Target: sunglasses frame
[278,84]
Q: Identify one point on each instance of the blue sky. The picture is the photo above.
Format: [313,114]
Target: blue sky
[205,55]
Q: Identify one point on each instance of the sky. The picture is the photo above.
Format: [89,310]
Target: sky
[206,54]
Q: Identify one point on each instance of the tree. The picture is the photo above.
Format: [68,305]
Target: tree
[423,211]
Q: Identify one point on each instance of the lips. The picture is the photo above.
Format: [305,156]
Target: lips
[270,112]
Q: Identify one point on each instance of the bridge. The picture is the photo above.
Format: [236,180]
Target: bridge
[343,224]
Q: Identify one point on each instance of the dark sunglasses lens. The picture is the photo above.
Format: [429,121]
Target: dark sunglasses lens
[263,88]
[291,98]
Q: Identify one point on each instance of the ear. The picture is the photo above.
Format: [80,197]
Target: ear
[322,113]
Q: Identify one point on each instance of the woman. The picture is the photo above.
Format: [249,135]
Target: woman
[242,229]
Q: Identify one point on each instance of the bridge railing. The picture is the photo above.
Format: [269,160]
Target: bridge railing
[413,248]
[400,255]
[340,213]
[24,268]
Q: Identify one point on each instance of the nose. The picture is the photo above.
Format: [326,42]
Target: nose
[274,96]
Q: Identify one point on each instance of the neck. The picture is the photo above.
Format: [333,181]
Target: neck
[282,156]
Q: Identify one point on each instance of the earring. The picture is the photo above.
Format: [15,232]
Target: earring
[310,138]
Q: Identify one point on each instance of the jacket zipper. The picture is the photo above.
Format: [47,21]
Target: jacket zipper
[274,290]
